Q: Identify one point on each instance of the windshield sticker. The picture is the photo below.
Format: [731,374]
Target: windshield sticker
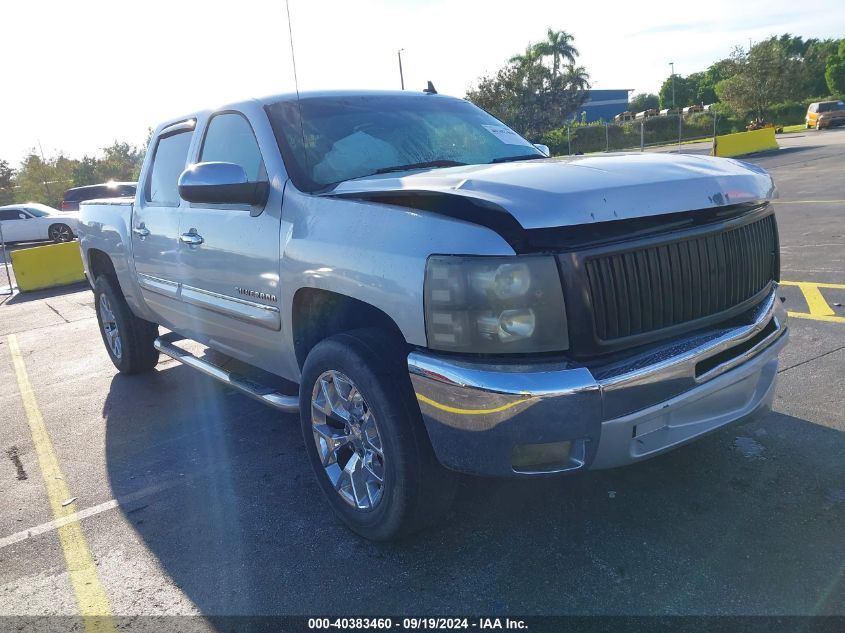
[506,135]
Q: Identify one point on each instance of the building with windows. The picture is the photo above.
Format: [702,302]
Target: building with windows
[604,104]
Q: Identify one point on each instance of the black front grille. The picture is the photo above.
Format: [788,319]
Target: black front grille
[655,287]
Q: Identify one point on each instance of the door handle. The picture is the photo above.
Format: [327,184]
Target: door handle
[191,238]
[141,231]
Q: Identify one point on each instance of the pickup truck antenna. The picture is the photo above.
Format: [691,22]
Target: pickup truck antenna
[295,79]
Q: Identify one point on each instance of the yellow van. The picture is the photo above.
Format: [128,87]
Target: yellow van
[825,114]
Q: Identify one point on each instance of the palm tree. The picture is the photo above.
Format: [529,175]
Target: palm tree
[558,44]
[577,77]
[530,57]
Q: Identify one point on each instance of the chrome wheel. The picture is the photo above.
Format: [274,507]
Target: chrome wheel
[109,325]
[348,440]
[60,233]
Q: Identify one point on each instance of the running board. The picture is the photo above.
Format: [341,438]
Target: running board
[267,395]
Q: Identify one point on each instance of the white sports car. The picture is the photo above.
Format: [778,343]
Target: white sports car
[31,222]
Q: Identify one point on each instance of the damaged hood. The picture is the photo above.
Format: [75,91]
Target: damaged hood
[559,192]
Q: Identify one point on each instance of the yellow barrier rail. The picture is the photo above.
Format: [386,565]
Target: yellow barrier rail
[47,266]
[745,142]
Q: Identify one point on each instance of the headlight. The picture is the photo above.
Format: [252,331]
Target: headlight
[494,305]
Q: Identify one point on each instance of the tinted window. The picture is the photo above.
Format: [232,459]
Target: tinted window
[9,214]
[830,106]
[230,139]
[86,193]
[127,191]
[168,163]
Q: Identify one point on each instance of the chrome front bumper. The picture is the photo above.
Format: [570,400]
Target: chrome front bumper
[476,413]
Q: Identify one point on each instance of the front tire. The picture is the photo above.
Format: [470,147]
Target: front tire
[128,339]
[365,437]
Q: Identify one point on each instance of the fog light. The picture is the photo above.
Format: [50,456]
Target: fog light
[541,457]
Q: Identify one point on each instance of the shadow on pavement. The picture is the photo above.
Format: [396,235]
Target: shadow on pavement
[36,295]
[746,521]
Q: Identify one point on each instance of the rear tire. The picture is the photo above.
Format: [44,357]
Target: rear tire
[60,233]
[128,339]
[405,488]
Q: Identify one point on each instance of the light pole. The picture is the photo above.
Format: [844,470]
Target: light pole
[401,76]
[672,64]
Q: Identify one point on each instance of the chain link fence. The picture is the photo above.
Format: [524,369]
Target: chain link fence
[633,135]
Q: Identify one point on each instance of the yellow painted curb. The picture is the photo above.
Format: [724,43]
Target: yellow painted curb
[47,266]
[746,142]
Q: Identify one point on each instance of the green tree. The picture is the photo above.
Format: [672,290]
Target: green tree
[816,58]
[701,89]
[559,46]
[531,97]
[682,93]
[763,75]
[531,57]
[45,181]
[576,78]
[834,73]
[644,101]
[7,183]
[85,172]
[120,161]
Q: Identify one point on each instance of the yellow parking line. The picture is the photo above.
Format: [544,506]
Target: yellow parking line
[818,284]
[815,301]
[90,596]
[815,317]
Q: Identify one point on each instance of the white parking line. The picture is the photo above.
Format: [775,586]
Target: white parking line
[50,526]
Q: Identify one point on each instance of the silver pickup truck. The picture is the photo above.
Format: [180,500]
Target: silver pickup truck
[433,294]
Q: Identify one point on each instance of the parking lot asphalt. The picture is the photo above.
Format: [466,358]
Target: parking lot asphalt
[194,499]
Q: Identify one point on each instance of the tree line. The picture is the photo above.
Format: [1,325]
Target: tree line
[45,179]
[773,79]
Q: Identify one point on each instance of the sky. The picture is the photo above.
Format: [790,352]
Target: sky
[80,75]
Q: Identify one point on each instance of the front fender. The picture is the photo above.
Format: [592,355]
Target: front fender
[372,252]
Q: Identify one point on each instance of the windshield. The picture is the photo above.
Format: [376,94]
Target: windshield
[352,136]
[38,213]
[831,105]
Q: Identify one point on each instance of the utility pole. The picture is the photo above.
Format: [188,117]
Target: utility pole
[672,64]
[401,76]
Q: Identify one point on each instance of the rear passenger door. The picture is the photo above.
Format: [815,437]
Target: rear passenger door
[155,224]
[230,253]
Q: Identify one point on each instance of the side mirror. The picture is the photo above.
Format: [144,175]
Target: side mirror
[23,216]
[221,183]
[543,148]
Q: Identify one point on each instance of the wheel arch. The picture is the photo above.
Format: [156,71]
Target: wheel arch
[318,314]
[99,263]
